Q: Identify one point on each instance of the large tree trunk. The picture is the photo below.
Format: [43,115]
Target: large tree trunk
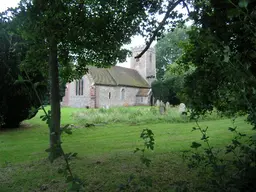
[55,142]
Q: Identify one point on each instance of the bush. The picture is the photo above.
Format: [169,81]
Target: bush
[17,96]
[168,89]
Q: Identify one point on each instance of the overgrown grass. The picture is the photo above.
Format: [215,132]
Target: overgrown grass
[105,152]
[135,115]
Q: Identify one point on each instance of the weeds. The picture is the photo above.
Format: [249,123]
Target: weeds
[135,115]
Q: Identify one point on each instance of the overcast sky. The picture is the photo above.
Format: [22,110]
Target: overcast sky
[136,40]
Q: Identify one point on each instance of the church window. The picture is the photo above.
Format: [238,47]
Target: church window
[122,94]
[109,95]
[79,87]
[150,57]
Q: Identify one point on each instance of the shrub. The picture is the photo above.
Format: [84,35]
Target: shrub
[17,96]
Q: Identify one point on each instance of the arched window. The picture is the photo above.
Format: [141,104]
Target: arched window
[150,57]
[122,94]
[79,87]
[109,95]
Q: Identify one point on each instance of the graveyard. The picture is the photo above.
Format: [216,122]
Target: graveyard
[105,141]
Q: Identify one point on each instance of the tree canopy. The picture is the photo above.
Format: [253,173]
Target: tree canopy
[168,49]
[221,48]
[17,96]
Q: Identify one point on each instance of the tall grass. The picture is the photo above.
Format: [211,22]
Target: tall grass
[134,115]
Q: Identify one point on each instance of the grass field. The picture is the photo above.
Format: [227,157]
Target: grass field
[105,152]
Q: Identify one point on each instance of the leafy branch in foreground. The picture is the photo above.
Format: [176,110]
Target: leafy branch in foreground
[148,136]
[75,183]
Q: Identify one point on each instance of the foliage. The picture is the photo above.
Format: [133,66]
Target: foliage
[221,48]
[230,169]
[224,76]
[168,49]
[148,136]
[171,87]
[18,100]
[167,90]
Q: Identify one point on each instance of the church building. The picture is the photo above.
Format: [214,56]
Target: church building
[115,86]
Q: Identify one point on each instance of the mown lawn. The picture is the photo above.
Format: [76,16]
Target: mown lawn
[105,154]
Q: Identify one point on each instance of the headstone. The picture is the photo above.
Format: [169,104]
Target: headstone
[105,107]
[167,105]
[182,108]
[161,108]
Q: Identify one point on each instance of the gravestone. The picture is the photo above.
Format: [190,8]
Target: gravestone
[182,108]
[105,107]
[167,105]
[162,108]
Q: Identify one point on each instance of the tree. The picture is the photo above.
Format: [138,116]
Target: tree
[17,96]
[219,46]
[168,49]
[168,90]
[171,87]
[87,32]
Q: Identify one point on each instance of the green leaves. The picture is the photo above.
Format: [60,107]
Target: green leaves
[168,49]
[148,137]
[195,145]
[67,129]
[243,3]
[149,142]
[46,117]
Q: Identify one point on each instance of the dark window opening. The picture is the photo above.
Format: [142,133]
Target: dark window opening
[122,94]
[80,87]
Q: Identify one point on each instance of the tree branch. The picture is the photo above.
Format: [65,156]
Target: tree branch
[185,5]
[171,6]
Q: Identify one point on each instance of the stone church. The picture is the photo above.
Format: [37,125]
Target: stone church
[115,86]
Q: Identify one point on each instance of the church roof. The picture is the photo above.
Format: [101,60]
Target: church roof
[117,76]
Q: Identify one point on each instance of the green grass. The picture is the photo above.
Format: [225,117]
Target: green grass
[134,115]
[105,153]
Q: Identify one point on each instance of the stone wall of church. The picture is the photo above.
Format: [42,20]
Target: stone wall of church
[150,65]
[146,65]
[115,96]
[142,100]
[72,99]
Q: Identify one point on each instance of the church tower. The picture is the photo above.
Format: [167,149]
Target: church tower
[146,65]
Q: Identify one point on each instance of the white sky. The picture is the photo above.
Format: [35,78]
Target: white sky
[136,40]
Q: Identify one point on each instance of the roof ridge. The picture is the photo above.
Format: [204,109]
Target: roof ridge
[111,75]
[126,68]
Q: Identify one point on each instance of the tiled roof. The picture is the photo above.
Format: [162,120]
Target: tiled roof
[101,76]
[117,76]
